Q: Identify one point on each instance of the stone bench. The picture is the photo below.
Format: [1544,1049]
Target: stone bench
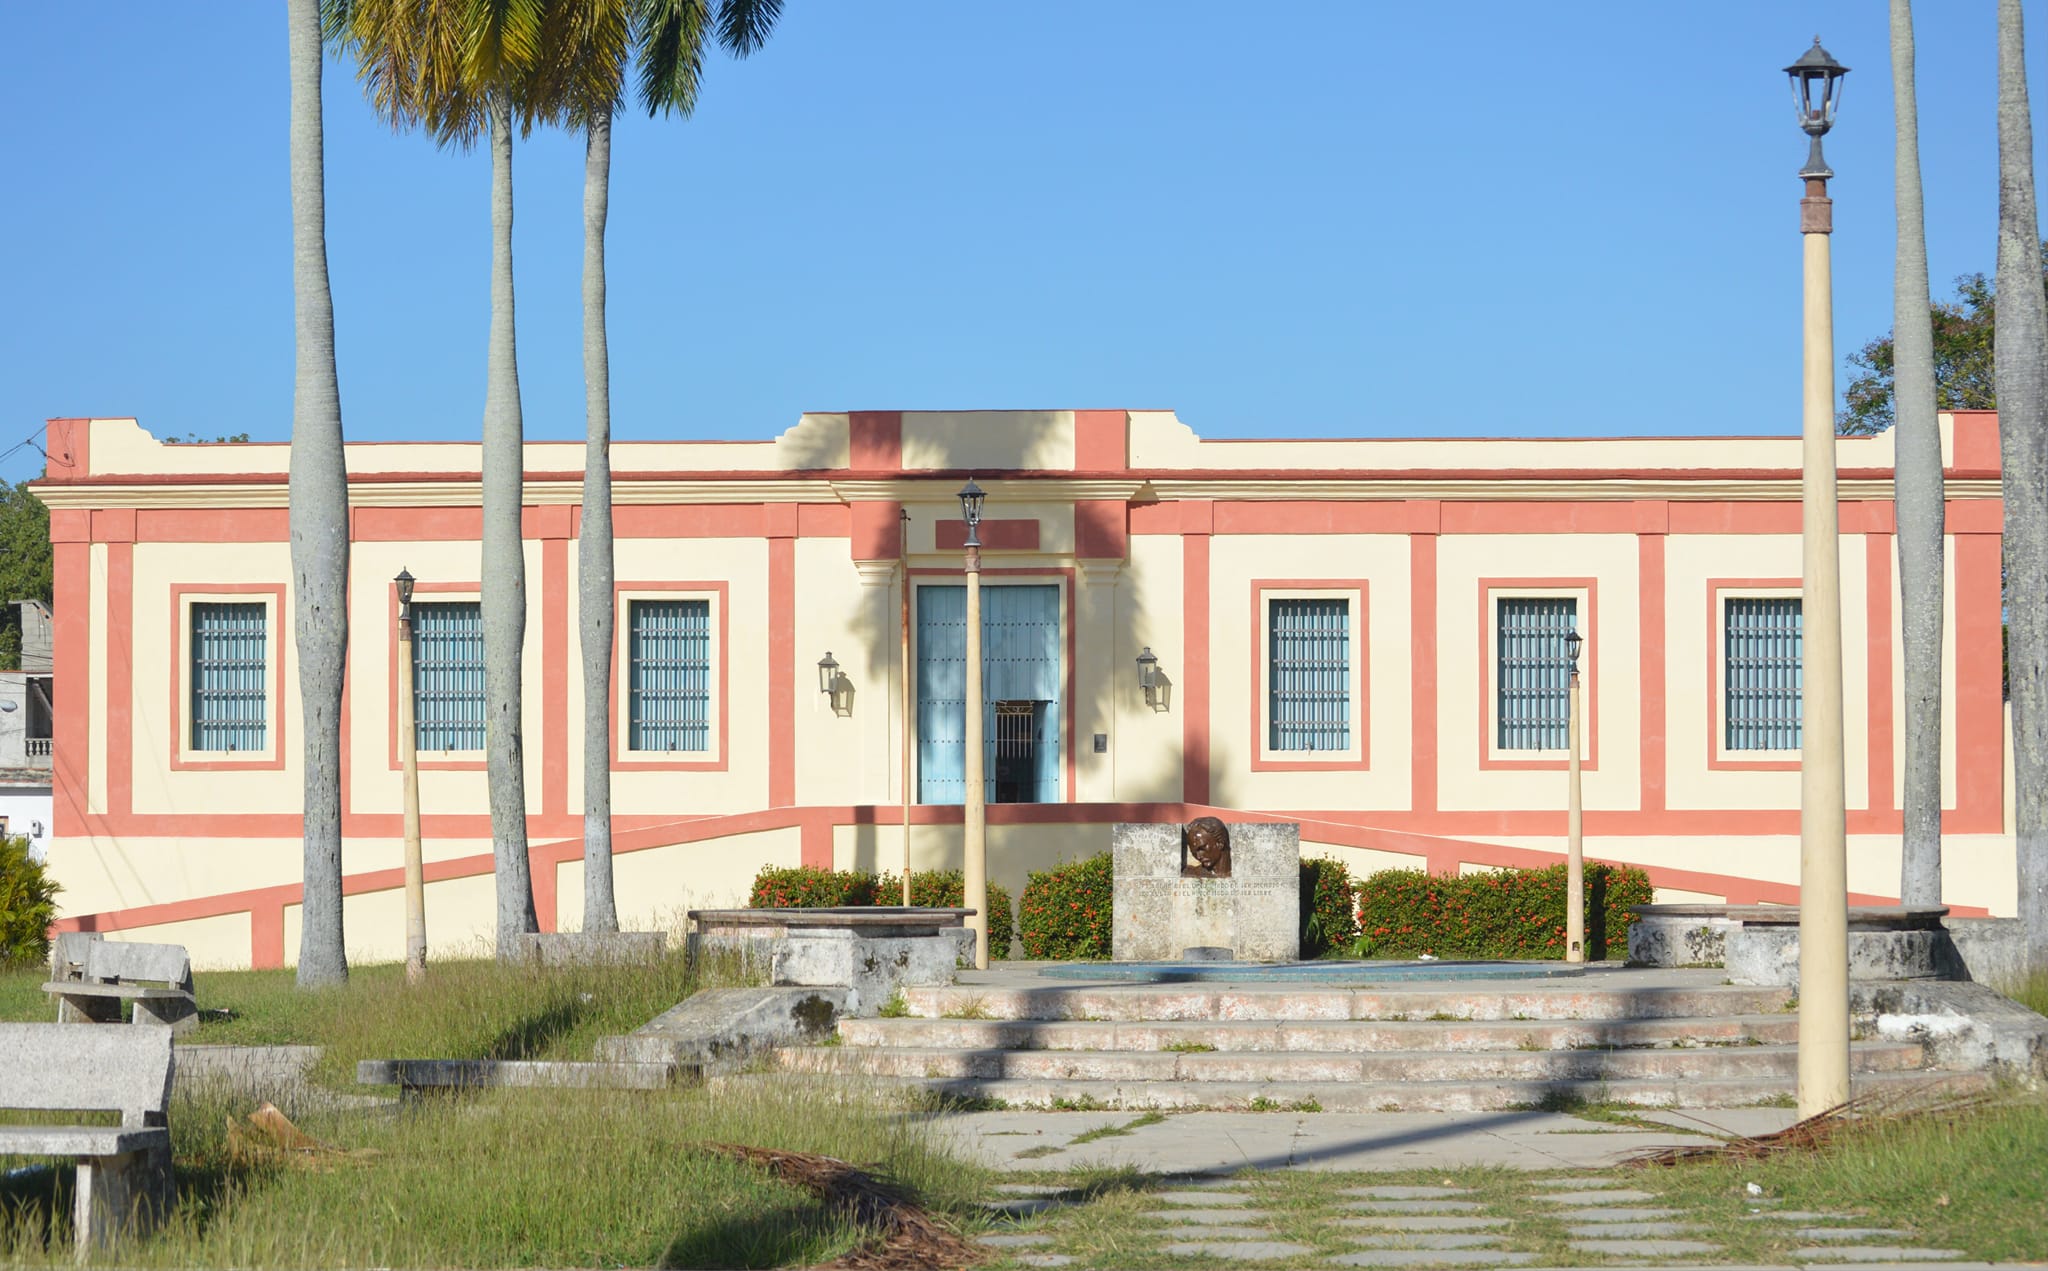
[99,981]
[124,1171]
[414,1077]
[1759,944]
[872,950]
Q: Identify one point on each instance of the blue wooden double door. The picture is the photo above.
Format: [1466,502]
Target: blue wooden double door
[1021,682]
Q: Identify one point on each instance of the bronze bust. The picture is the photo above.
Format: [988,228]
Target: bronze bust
[1205,849]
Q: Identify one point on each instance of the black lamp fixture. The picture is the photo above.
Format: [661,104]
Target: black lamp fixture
[971,498]
[1149,679]
[1816,95]
[828,672]
[1573,642]
[405,582]
[838,690]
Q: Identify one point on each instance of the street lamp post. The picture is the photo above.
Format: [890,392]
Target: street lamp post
[1823,834]
[975,813]
[408,760]
[1574,816]
[903,550]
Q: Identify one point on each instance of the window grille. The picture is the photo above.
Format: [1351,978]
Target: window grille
[668,687]
[1761,639]
[448,675]
[1533,672]
[1308,644]
[228,701]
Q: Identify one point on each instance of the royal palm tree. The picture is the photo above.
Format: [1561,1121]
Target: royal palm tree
[2021,350]
[457,69]
[319,514]
[1917,482]
[592,43]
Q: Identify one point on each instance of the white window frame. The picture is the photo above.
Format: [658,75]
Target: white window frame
[1582,598]
[1355,723]
[713,755]
[1723,754]
[272,752]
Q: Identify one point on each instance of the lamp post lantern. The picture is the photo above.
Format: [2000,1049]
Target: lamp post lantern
[1823,836]
[408,761]
[1574,817]
[975,812]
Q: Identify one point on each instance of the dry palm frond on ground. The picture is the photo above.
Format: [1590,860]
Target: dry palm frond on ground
[909,1236]
[1893,1106]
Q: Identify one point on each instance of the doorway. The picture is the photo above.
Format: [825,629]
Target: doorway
[1022,685]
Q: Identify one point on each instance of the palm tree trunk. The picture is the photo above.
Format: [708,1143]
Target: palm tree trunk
[1917,479]
[594,546]
[319,515]
[2021,353]
[504,561]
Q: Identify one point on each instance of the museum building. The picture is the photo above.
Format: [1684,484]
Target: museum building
[1364,636]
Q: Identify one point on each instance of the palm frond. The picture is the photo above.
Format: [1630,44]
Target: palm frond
[669,38]
[744,25]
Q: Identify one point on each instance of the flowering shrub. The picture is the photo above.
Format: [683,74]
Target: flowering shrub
[1327,919]
[1505,913]
[1065,911]
[808,887]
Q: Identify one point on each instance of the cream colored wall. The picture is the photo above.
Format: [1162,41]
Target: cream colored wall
[844,758]
[1690,561]
[1610,665]
[992,440]
[1236,694]
[1145,745]
[375,784]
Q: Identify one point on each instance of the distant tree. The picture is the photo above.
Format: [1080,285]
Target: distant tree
[25,564]
[1964,332]
[194,439]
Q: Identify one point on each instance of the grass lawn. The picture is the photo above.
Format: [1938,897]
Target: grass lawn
[557,1178]
[474,1009]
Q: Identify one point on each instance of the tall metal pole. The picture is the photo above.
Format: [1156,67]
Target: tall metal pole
[1574,826]
[408,759]
[975,818]
[1823,832]
[903,547]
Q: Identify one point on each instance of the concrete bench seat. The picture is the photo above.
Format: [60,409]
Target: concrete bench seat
[873,950]
[99,981]
[124,1171]
[414,1076]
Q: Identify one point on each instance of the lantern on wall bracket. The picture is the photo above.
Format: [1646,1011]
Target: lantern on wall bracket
[1573,642]
[404,582]
[1152,681]
[838,690]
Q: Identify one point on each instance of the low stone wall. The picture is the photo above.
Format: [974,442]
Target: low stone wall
[1988,950]
[869,951]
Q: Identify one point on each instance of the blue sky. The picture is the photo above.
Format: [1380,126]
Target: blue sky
[1366,219]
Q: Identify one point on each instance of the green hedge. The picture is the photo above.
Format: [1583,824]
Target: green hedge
[1065,911]
[1328,921]
[808,887]
[28,905]
[1508,913]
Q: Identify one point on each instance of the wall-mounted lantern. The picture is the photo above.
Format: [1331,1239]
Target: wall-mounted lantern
[837,689]
[405,582]
[1156,687]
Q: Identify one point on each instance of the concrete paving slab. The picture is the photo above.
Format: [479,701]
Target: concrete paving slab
[1429,1239]
[1850,1233]
[1405,1193]
[1618,1195]
[1873,1253]
[1564,1181]
[1433,1258]
[1180,1197]
[1647,1248]
[1217,1233]
[1422,1222]
[1203,1217]
[1618,1214]
[1618,1230]
[1046,1259]
[1240,1251]
[1444,1206]
[1795,1215]
[1746,1122]
[1023,1206]
[1020,1241]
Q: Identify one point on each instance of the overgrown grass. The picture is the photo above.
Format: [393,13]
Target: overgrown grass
[518,1178]
[469,1009]
[2033,994]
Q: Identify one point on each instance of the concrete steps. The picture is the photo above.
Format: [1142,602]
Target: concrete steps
[1316,1067]
[1321,1035]
[1155,1003]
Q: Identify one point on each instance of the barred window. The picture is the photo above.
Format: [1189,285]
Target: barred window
[1761,640]
[229,708]
[448,675]
[1533,672]
[668,684]
[1308,669]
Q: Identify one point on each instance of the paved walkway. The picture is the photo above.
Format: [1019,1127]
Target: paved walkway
[1566,1216]
[1222,1142]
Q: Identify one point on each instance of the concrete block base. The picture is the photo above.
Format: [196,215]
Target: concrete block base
[1159,912]
[589,948]
[1770,955]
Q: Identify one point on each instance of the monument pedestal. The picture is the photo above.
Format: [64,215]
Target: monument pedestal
[1161,911]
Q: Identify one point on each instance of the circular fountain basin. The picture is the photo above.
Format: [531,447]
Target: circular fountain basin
[1322,972]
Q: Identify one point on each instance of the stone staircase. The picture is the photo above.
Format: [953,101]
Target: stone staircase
[1446,1047]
